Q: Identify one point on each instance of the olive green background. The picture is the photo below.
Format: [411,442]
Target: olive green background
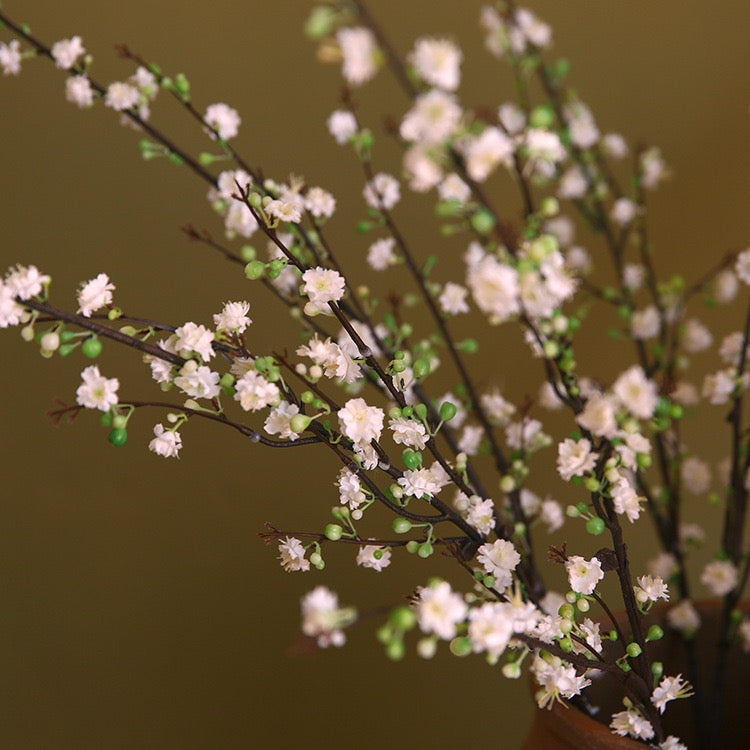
[138,608]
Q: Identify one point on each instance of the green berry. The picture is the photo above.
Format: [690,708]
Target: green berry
[595,526]
[91,347]
[66,350]
[118,436]
[119,421]
[412,459]
[425,550]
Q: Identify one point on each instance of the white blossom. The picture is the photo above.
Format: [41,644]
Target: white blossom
[360,422]
[66,52]
[631,722]
[583,575]
[373,556]
[440,609]
[166,443]
[292,555]
[361,54]
[96,391]
[192,337]
[438,62]
[499,559]
[720,577]
[223,120]
[383,191]
[95,294]
[575,458]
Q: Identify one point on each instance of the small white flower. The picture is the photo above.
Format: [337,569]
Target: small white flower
[720,577]
[342,125]
[292,555]
[121,96]
[67,51]
[439,610]
[11,313]
[499,559]
[96,391]
[372,556]
[684,617]
[598,416]
[361,54]
[481,516]
[623,211]
[277,421]
[672,743]
[636,392]
[223,119]
[320,202]
[575,458]
[438,62]
[323,619]
[254,392]
[233,317]
[383,191]
[485,152]
[632,723]
[582,575]
[650,589]
[26,281]
[166,443]
[452,299]
[284,211]
[323,285]
[360,422]
[195,338]
[197,381]
[10,57]
[408,432]
[95,294]
[669,689]
[490,628]
[696,475]
[380,255]
[78,91]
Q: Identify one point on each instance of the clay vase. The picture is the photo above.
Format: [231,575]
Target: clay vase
[565,727]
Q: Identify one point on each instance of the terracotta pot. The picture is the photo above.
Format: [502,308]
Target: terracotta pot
[565,727]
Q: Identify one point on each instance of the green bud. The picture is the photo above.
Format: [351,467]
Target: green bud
[206,159]
[421,411]
[470,346]
[299,423]
[402,618]
[401,525]
[655,633]
[333,532]
[425,550]
[412,459]
[572,512]
[384,634]
[321,22]
[447,411]
[461,646]
[91,347]
[119,421]
[248,253]
[421,368]
[255,269]
[595,526]
[412,546]
[567,611]
[106,419]
[566,644]
[482,221]
[407,412]
[542,116]
[395,649]
[66,350]
[182,85]
[633,650]
[592,484]
[657,669]
[118,436]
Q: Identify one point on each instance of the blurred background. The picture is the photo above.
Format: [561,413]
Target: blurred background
[139,607]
